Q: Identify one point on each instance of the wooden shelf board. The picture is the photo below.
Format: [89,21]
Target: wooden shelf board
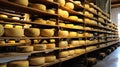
[10,44]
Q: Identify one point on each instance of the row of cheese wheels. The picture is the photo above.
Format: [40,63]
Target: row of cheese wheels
[31,32]
[36,61]
[62,44]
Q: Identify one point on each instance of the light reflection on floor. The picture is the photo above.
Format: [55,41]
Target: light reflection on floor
[112,60]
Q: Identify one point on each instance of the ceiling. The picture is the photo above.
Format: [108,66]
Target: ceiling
[115,3]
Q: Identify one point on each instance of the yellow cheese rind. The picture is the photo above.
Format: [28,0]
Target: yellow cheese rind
[38,47]
[1,30]
[63,44]
[47,32]
[49,59]
[20,63]
[20,2]
[32,32]
[63,54]
[37,61]
[50,46]
[14,32]
[69,5]
[63,33]
[39,6]
[24,49]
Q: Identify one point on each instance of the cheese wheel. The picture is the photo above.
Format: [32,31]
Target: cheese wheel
[72,34]
[36,41]
[16,32]
[62,24]
[16,18]
[69,5]
[87,6]
[20,2]
[18,26]
[39,20]
[77,2]
[86,13]
[38,47]
[50,22]
[47,32]
[74,43]
[91,9]
[80,35]
[3,65]
[32,32]
[61,2]
[69,25]
[11,41]
[39,6]
[63,54]
[91,15]
[37,61]
[51,11]
[80,20]
[65,14]
[73,17]
[63,44]
[1,30]
[22,41]
[52,40]
[50,46]
[24,49]
[49,59]
[71,52]
[82,42]
[63,33]
[3,16]
[19,63]
[79,51]
[2,42]
[8,26]
[87,20]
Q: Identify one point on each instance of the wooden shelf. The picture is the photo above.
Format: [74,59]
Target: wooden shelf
[10,44]
[12,6]
[72,28]
[43,37]
[8,38]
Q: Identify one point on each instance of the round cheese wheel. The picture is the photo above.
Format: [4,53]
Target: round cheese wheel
[38,47]
[51,0]
[11,41]
[50,22]
[63,54]
[72,34]
[86,13]
[39,20]
[91,9]
[49,59]
[73,17]
[25,48]
[3,16]
[69,5]
[77,2]
[87,20]
[16,32]
[16,18]
[22,41]
[18,26]
[82,42]
[21,2]
[71,52]
[39,6]
[32,32]
[87,6]
[3,65]
[50,46]
[65,14]
[52,40]
[36,41]
[37,61]
[75,43]
[63,33]
[62,24]
[8,26]
[1,30]
[51,11]
[47,32]
[2,42]
[78,51]
[69,25]
[80,35]
[87,42]
[63,44]
[91,15]
[80,20]
[61,2]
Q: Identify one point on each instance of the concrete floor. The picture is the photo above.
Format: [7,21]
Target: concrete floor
[112,60]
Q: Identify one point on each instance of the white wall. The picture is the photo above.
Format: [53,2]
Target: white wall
[114,14]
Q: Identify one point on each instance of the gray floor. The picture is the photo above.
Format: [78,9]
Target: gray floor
[112,60]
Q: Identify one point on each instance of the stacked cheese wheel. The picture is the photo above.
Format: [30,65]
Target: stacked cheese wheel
[63,33]
[63,13]
[39,6]
[47,32]
[63,44]
[72,34]
[74,43]
[25,49]
[20,2]
[79,51]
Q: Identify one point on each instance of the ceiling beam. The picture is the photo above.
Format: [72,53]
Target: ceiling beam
[115,5]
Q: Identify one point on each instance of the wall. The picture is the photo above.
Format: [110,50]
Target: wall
[114,14]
